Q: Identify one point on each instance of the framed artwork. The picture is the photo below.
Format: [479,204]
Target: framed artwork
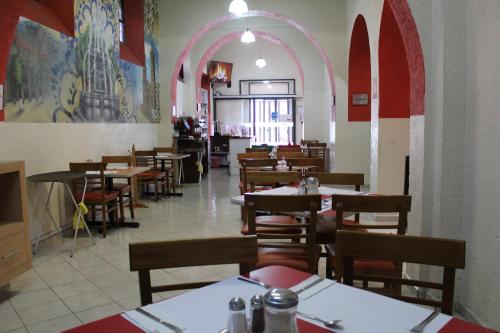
[220,72]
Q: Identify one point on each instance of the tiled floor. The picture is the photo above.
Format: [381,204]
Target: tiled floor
[62,292]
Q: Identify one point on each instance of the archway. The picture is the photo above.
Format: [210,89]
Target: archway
[236,35]
[359,109]
[254,13]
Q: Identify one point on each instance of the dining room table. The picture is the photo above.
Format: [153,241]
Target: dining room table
[205,310]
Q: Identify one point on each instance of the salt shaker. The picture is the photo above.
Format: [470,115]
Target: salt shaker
[257,314]
[280,311]
[312,185]
[237,320]
[302,187]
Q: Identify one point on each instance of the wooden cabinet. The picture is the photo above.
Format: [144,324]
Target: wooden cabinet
[15,236]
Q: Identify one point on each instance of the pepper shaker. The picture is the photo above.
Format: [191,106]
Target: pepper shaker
[257,314]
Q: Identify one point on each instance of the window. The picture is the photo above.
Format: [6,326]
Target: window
[272,121]
[121,20]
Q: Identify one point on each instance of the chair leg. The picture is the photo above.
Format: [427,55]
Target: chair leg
[131,205]
[156,190]
[329,268]
[104,219]
[122,210]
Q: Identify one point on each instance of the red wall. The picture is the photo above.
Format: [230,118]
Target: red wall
[57,15]
[359,71]
[133,48]
[9,15]
[394,72]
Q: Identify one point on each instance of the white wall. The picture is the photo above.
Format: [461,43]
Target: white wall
[462,151]
[47,147]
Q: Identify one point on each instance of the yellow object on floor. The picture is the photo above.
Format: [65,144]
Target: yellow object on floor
[84,210]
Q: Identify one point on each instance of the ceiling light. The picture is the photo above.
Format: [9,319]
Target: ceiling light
[265,81]
[247,37]
[238,7]
[261,63]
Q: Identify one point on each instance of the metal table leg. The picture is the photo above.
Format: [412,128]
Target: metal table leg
[79,215]
[46,209]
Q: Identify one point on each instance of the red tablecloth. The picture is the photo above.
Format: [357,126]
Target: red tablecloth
[278,276]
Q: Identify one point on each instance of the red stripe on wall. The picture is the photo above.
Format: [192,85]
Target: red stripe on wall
[132,50]
[394,71]
[57,15]
[359,71]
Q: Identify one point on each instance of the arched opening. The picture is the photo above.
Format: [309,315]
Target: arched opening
[394,106]
[359,108]
[253,13]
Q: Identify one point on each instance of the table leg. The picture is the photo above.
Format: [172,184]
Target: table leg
[79,215]
[44,214]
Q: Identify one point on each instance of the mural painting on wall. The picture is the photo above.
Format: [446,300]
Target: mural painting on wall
[55,78]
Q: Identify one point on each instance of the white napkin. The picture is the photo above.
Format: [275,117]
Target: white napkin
[312,290]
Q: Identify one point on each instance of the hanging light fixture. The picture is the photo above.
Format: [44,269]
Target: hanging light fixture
[238,7]
[261,63]
[247,37]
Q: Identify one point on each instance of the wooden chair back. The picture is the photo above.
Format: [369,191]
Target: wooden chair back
[273,178]
[292,154]
[289,149]
[284,204]
[247,165]
[305,142]
[311,164]
[337,178]
[94,182]
[123,159]
[146,158]
[252,155]
[257,150]
[399,204]
[186,253]
[449,254]
[164,150]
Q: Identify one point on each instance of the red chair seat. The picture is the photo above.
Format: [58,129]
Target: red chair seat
[325,231]
[152,175]
[291,257]
[97,196]
[274,219]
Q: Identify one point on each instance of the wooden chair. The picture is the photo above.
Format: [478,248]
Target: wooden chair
[305,142]
[146,158]
[124,189]
[250,164]
[255,180]
[449,254]
[169,166]
[292,154]
[398,204]
[185,253]
[257,150]
[274,246]
[97,199]
[242,156]
[306,164]
[317,150]
[289,149]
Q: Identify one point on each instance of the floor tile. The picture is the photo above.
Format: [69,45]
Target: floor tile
[61,278]
[121,291]
[58,324]
[74,288]
[87,301]
[28,285]
[8,317]
[99,312]
[36,298]
[48,311]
